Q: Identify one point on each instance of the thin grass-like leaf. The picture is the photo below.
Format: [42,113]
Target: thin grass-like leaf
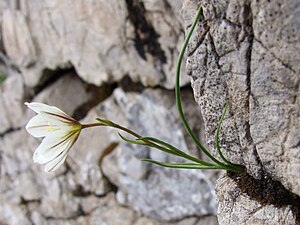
[218,134]
[178,151]
[139,141]
[182,165]
[106,122]
[132,141]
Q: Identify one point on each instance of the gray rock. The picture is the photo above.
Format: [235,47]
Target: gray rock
[42,40]
[12,103]
[275,104]
[4,122]
[68,93]
[111,213]
[247,52]
[164,198]
[17,38]
[102,41]
[236,207]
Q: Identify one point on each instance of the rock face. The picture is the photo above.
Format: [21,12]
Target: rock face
[168,194]
[113,59]
[102,41]
[247,52]
[237,207]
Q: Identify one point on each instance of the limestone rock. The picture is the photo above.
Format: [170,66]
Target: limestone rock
[79,192]
[233,58]
[247,53]
[12,103]
[72,58]
[236,207]
[164,197]
[17,38]
[275,90]
[68,93]
[102,40]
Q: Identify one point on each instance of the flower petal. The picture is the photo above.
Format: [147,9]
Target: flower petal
[49,110]
[60,159]
[53,145]
[56,163]
[40,126]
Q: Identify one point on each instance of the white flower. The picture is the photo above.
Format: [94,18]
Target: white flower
[59,130]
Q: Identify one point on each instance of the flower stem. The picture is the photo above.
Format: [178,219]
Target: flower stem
[83,126]
[111,124]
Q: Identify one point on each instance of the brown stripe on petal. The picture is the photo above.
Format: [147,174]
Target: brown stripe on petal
[62,141]
[76,134]
[50,169]
[67,118]
[68,136]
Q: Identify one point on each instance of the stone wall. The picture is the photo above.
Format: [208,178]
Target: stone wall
[114,59]
[247,52]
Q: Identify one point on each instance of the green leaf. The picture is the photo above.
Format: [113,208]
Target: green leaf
[2,77]
[140,141]
[218,134]
[176,150]
[106,122]
[132,141]
[183,165]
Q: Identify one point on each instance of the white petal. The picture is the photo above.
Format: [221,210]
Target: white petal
[56,163]
[53,121]
[49,110]
[53,145]
[40,126]
[60,120]
[60,159]
[40,107]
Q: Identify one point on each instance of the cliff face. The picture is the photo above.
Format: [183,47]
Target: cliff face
[247,52]
[116,60]
[101,41]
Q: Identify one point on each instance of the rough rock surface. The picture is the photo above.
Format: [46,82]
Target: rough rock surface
[247,52]
[168,194]
[102,41]
[79,193]
[113,59]
[241,209]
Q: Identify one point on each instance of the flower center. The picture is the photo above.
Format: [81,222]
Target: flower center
[51,127]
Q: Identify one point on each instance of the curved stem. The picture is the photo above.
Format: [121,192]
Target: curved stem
[177,91]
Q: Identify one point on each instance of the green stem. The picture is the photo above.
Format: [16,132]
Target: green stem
[83,126]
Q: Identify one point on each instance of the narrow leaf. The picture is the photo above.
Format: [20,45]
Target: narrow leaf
[140,141]
[218,135]
[177,151]
[132,141]
[106,122]
[182,165]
